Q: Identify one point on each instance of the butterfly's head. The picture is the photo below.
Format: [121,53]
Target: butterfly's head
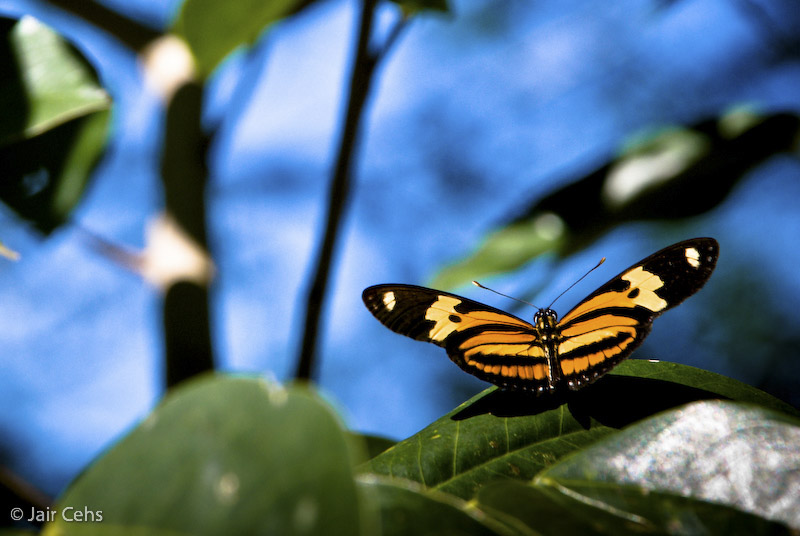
[545,319]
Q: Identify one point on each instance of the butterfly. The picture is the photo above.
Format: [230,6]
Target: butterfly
[549,354]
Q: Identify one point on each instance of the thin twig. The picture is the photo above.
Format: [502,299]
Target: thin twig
[364,65]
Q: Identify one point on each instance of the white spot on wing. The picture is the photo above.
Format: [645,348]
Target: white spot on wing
[389,301]
[693,257]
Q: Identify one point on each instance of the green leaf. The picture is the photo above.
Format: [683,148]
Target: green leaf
[214,29]
[45,82]
[673,174]
[8,253]
[410,7]
[629,510]
[373,444]
[53,129]
[506,249]
[702,380]
[225,455]
[480,440]
[499,434]
[740,456]
[406,508]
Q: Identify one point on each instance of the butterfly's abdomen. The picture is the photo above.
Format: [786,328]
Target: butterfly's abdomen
[545,321]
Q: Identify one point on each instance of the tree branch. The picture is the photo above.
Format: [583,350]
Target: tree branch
[361,77]
[187,331]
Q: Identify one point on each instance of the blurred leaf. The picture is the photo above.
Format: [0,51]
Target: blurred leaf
[225,455]
[630,510]
[8,253]
[53,128]
[374,445]
[506,249]
[676,173]
[214,29]
[45,82]
[44,177]
[411,7]
[499,434]
[407,509]
[726,453]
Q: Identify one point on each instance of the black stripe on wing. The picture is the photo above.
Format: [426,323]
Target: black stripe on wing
[434,316]
[486,342]
[655,284]
[611,323]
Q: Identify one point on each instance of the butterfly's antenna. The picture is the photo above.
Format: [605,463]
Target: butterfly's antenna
[504,295]
[596,266]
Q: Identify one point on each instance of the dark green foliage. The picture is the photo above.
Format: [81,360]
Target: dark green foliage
[53,126]
[659,178]
[214,29]
[407,509]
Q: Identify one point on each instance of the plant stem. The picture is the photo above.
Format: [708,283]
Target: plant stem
[362,70]
[187,326]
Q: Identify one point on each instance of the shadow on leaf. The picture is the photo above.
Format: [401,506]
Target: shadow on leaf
[614,401]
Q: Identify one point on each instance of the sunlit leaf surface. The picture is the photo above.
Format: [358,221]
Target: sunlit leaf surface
[741,456]
[623,510]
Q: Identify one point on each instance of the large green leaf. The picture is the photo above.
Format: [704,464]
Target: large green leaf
[696,378]
[632,510]
[53,126]
[673,174]
[499,434]
[225,456]
[741,456]
[407,509]
[214,29]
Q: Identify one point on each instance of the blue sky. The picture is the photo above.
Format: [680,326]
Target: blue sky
[472,115]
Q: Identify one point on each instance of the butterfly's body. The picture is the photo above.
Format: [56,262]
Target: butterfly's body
[546,323]
[550,354]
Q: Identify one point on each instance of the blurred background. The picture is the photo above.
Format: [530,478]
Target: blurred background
[478,119]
